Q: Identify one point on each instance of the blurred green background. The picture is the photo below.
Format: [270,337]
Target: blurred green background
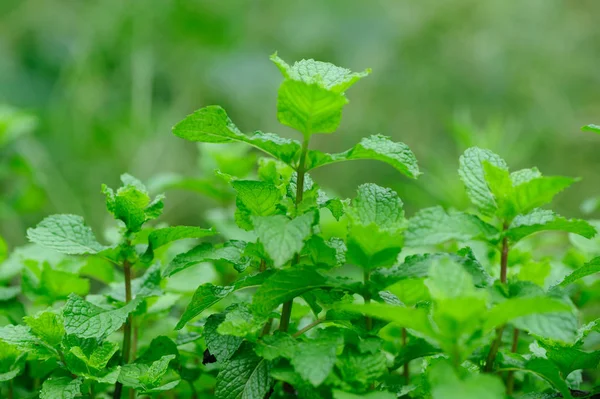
[98,85]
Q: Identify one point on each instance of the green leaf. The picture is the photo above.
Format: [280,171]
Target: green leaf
[569,359]
[240,321]
[445,384]
[361,369]
[212,125]
[592,267]
[314,359]
[277,345]
[549,372]
[221,346]
[21,337]
[245,376]
[330,77]
[432,226]
[67,234]
[413,318]
[255,198]
[87,320]
[376,223]
[591,128]
[131,203]
[281,237]
[559,327]
[472,174]
[12,361]
[147,378]
[518,307]
[160,237]
[376,148]
[48,326]
[370,395]
[231,252]
[311,97]
[61,388]
[285,285]
[208,294]
[545,220]
[90,360]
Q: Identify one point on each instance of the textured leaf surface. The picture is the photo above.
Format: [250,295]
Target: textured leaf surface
[48,326]
[376,148]
[245,376]
[376,223]
[221,346]
[445,384]
[87,320]
[231,252]
[212,125]
[65,233]
[281,237]
[61,388]
[161,237]
[432,226]
[549,372]
[208,294]
[414,318]
[518,307]
[473,176]
[592,267]
[285,285]
[545,220]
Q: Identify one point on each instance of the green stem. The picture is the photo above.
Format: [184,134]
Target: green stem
[286,313]
[489,363]
[126,328]
[308,327]
[367,296]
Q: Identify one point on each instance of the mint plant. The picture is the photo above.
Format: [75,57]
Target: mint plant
[295,293]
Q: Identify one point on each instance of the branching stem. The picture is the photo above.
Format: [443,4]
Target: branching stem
[286,313]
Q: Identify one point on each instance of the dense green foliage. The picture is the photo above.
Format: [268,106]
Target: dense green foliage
[317,296]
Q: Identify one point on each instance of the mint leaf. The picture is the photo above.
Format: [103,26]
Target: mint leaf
[445,384]
[205,296]
[548,371]
[48,326]
[277,345]
[244,376]
[281,237]
[231,252]
[67,234]
[591,128]
[311,97]
[370,395]
[330,77]
[61,388]
[569,359]
[413,318]
[546,220]
[12,361]
[147,378]
[592,267]
[221,346]
[241,321]
[52,284]
[376,222]
[212,125]
[22,337]
[87,320]
[518,307]
[208,294]
[377,148]
[432,226]
[255,198]
[361,369]
[472,174]
[90,361]
[559,327]
[131,203]
[314,359]
[285,285]
[160,237]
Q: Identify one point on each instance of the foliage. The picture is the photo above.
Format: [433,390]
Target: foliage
[296,293]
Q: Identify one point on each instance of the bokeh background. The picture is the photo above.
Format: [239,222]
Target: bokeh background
[90,89]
